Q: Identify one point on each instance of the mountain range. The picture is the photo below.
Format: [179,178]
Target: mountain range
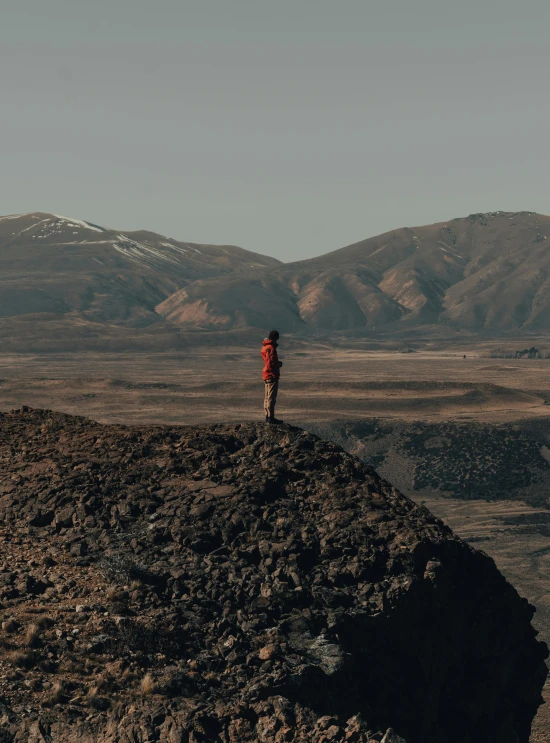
[486,272]
[54,265]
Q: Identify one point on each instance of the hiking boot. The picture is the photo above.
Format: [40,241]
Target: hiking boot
[274,421]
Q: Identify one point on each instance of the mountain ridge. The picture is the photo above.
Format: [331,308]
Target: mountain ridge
[97,274]
[453,273]
[488,273]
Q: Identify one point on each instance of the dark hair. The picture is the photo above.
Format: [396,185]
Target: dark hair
[273,335]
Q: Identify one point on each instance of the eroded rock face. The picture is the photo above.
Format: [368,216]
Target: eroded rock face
[241,583]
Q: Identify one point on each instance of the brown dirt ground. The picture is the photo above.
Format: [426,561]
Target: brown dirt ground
[213,385]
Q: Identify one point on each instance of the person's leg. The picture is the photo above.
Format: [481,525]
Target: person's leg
[274,392]
[267,398]
[271,389]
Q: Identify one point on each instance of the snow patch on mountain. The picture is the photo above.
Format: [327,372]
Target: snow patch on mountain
[79,223]
[34,225]
[141,253]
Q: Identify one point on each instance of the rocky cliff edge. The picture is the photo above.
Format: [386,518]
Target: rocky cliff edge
[241,583]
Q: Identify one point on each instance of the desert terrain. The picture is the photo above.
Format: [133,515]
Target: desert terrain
[320,383]
[410,350]
[331,391]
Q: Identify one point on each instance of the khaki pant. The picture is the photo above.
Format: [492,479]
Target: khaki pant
[271,389]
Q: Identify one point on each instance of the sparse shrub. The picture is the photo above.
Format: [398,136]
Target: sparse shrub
[10,625]
[104,683]
[32,636]
[134,637]
[113,594]
[48,665]
[95,700]
[21,659]
[175,683]
[57,695]
[147,684]
[50,425]
[127,678]
[34,684]
[44,622]
[72,664]
[58,692]
[122,570]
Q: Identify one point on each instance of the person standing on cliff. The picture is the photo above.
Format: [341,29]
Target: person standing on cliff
[270,375]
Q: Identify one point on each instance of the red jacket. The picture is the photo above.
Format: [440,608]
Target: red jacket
[272,366]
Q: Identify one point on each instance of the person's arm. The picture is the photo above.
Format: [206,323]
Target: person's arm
[270,357]
[276,363]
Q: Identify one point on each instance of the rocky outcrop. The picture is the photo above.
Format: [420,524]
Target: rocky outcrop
[241,583]
[464,460]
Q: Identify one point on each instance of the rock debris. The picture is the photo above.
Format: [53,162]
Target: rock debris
[241,583]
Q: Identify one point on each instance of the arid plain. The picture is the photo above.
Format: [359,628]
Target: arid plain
[323,386]
[319,382]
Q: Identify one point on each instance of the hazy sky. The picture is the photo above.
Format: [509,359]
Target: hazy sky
[289,127]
